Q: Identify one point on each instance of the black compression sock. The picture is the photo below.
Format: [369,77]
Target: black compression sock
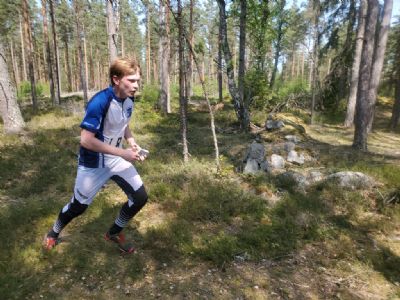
[115,229]
[53,234]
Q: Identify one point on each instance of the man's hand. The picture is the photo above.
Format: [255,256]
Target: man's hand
[131,154]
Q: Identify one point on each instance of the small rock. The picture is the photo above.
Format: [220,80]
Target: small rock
[251,166]
[118,287]
[277,161]
[292,138]
[352,180]
[256,287]
[289,146]
[295,158]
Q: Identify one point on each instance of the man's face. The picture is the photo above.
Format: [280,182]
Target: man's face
[127,85]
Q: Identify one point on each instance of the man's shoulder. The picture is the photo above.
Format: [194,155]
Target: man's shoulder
[101,98]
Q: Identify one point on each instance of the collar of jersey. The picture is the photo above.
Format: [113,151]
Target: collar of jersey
[110,88]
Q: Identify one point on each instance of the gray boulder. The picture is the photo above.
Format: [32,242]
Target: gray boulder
[251,166]
[289,146]
[272,124]
[352,180]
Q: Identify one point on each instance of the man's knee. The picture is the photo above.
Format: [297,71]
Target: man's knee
[76,208]
[138,198]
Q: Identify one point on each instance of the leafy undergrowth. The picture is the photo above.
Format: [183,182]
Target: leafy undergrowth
[202,234]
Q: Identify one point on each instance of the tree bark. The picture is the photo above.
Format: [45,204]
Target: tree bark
[189,73]
[165,97]
[112,33]
[314,79]
[28,42]
[21,31]
[278,43]
[57,80]
[242,48]
[148,46]
[9,109]
[14,64]
[394,121]
[79,36]
[182,96]
[219,65]
[379,55]
[48,52]
[363,107]
[68,64]
[242,112]
[355,71]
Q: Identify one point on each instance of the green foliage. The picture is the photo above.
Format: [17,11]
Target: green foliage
[296,92]
[24,89]
[257,87]
[150,94]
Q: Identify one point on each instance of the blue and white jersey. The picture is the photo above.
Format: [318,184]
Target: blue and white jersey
[107,116]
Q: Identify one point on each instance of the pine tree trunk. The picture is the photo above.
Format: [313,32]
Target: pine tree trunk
[9,109]
[29,43]
[48,53]
[57,80]
[315,58]
[112,34]
[351,105]
[394,121]
[182,96]
[164,100]
[148,45]
[21,31]
[68,64]
[79,35]
[379,55]
[219,66]
[363,107]
[14,64]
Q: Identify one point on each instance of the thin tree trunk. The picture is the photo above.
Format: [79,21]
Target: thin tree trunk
[79,35]
[28,42]
[189,74]
[21,31]
[394,121]
[205,95]
[148,45]
[355,71]
[164,100]
[379,55]
[242,49]
[241,111]
[182,96]
[315,58]
[219,66]
[363,107]
[85,59]
[57,80]
[9,109]
[48,52]
[68,68]
[112,33]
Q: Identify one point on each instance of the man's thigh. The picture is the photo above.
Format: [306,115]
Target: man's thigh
[124,171]
[88,182]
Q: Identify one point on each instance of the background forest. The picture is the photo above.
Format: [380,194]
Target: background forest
[215,76]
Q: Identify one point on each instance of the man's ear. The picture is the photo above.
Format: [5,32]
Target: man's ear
[116,80]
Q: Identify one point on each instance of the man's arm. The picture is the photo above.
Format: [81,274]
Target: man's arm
[89,141]
[129,138]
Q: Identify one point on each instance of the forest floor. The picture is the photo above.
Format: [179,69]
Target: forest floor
[202,235]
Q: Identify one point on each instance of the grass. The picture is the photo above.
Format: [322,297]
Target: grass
[202,234]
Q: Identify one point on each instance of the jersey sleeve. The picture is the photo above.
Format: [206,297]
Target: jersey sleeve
[95,111]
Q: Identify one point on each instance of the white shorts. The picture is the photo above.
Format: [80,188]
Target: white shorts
[90,180]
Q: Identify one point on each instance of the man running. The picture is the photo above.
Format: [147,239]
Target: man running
[101,156]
